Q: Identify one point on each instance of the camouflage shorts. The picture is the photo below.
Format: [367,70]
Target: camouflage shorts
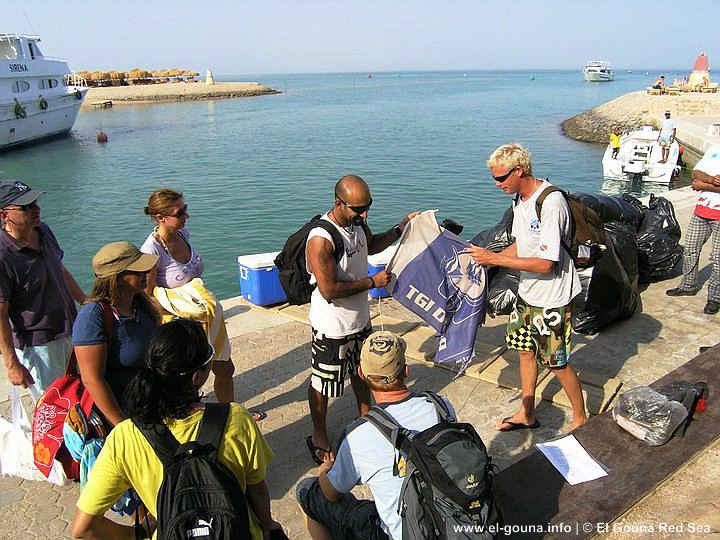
[544,331]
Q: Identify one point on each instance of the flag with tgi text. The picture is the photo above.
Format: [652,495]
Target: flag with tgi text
[435,277]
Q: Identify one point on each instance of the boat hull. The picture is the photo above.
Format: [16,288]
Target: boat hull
[595,76]
[39,124]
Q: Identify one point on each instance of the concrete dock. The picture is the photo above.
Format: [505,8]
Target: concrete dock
[271,354]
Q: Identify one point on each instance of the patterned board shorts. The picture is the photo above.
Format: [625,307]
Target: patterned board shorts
[333,359]
[544,331]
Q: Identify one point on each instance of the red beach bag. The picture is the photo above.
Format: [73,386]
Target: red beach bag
[52,408]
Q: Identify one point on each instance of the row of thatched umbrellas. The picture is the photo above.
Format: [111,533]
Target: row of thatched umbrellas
[135,74]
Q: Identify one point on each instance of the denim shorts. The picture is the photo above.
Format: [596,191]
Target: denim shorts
[346,519]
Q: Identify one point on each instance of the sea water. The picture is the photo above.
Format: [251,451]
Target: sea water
[254,170]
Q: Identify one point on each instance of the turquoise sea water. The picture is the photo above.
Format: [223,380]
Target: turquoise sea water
[253,170]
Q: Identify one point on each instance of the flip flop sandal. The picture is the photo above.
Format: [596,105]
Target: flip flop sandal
[258,415]
[517,425]
[314,450]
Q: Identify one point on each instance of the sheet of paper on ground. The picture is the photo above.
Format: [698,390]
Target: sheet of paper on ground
[572,461]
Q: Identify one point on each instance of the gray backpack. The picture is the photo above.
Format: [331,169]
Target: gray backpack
[447,491]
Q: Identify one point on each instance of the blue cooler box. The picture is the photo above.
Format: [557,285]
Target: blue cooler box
[259,280]
[376,263]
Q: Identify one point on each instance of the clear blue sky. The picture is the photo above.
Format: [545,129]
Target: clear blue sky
[293,36]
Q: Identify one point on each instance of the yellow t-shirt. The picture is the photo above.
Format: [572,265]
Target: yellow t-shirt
[127,460]
[614,141]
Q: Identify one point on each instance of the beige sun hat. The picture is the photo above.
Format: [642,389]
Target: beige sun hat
[118,257]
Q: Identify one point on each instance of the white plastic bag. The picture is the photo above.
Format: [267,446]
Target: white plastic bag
[16,448]
[648,415]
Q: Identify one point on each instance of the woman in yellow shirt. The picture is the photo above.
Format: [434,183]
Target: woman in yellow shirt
[177,364]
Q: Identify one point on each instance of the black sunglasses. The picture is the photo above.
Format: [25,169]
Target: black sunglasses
[180,213]
[501,179]
[357,209]
[23,207]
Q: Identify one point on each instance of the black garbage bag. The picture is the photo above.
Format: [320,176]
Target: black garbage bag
[610,291]
[498,237]
[626,209]
[502,291]
[658,237]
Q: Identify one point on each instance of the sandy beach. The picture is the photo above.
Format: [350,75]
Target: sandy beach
[151,93]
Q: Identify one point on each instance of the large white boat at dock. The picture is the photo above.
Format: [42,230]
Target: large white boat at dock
[39,96]
[598,71]
[640,158]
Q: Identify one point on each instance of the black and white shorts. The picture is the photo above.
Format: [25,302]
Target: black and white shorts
[333,359]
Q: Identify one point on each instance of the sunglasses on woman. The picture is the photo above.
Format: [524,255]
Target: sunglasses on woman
[210,357]
[180,213]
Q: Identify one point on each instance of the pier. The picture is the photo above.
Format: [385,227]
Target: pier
[271,352]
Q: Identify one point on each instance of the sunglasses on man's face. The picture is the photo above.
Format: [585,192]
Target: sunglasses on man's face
[357,209]
[500,179]
[180,213]
[24,207]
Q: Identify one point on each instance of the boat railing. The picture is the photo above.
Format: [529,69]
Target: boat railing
[73,79]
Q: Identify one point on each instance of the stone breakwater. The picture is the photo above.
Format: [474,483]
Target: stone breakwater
[175,92]
[635,110]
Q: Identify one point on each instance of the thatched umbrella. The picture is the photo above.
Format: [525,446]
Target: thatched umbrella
[175,72]
[156,73]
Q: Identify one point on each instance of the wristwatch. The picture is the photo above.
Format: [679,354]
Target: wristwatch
[397,230]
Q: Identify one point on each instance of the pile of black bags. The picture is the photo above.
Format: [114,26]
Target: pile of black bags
[642,247]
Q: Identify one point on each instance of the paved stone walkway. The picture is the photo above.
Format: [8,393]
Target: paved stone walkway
[271,355]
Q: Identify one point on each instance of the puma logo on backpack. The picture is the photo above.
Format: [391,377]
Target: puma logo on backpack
[447,491]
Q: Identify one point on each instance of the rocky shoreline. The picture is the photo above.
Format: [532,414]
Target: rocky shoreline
[152,93]
[635,110]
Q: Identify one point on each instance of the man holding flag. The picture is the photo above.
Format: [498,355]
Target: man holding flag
[539,327]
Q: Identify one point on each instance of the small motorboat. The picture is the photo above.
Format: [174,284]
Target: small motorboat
[639,158]
[598,71]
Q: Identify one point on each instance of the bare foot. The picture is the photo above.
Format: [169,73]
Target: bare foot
[577,422]
[518,421]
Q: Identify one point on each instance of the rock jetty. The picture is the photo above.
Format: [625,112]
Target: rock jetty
[151,93]
[635,110]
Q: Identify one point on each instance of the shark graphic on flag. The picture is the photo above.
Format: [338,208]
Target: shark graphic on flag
[435,277]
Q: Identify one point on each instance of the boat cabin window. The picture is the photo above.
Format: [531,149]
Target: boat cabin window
[8,51]
[44,84]
[34,49]
[31,48]
[20,86]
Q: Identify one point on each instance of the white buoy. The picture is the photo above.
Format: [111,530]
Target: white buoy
[209,78]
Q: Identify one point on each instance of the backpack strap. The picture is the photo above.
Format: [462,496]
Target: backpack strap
[440,406]
[212,425]
[339,249]
[391,430]
[538,210]
[161,440]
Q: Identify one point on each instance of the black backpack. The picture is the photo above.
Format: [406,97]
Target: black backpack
[447,491]
[291,261]
[589,241]
[199,497]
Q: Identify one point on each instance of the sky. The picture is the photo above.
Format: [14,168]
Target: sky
[312,36]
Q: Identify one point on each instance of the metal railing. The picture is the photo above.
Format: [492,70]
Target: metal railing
[73,79]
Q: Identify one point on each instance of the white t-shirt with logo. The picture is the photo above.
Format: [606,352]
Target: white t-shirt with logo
[666,129]
[366,457]
[342,316]
[541,238]
[708,205]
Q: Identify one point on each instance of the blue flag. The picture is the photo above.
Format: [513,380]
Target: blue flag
[435,277]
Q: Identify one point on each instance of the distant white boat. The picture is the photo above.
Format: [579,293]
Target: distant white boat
[639,158]
[39,96]
[598,71]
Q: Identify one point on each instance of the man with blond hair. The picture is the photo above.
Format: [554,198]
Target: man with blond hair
[539,326]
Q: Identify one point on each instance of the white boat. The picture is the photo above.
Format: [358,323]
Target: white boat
[39,96]
[598,71]
[639,158]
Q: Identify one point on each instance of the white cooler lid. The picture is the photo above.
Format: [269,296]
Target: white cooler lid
[383,257]
[258,260]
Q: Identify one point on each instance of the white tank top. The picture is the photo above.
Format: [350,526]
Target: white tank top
[342,316]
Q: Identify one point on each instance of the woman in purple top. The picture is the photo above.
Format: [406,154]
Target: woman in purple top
[179,264]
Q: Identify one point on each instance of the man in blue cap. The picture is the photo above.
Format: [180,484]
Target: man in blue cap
[37,292]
